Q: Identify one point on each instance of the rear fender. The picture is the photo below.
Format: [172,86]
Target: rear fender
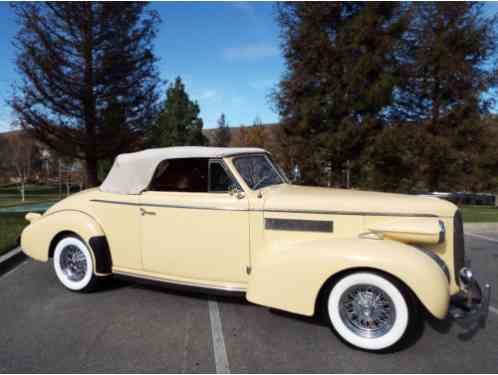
[39,238]
[289,277]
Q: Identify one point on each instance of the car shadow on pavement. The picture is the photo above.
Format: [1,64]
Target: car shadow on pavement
[186,291]
[108,284]
[444,326]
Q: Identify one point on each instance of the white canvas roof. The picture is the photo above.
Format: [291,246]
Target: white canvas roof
[132,173]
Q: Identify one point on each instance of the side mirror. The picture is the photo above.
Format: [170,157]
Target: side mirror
[235,191]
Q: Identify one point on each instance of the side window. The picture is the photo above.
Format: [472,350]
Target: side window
[219,180]
[184,175]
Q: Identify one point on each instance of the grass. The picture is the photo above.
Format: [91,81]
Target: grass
[479,214]
[10,195]
[15,200]
[11,226]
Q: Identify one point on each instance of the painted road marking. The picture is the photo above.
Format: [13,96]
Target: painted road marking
[482,237]
[13,269]
[220,353]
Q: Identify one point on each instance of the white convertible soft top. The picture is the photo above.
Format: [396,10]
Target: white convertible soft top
[132,173]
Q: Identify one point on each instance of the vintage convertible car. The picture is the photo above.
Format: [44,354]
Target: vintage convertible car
[227,219]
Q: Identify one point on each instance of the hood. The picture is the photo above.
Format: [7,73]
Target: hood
[319,199]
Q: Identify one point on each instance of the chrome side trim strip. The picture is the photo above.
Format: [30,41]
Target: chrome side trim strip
[354,213]
[316,212]
[169,206]
[115,202]
[182,283]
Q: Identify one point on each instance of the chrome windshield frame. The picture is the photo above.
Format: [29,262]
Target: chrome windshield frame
[283,179]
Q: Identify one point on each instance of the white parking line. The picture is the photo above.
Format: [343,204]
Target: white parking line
[493,309]
[12,270]
[481,236]
[220,353]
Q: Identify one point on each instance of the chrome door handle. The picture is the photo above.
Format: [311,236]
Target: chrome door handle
[145,212]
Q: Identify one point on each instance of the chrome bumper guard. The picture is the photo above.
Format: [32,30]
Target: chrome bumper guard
[470,307]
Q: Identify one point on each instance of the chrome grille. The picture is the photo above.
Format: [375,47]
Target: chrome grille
[458,244]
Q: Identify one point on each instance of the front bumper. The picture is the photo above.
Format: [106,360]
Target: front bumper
[470,307]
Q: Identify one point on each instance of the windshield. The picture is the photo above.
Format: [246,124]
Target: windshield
[258,171]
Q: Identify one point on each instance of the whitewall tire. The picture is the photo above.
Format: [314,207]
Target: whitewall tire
[73,264]
[369,310]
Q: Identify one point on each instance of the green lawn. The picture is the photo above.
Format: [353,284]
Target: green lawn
[479,214]
[11,225]
[30,189]
[10,195]
[10,200]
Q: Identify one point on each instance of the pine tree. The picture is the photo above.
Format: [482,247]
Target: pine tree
[341,72]
[448,63]
[178,123]
[222,135]
[78,63]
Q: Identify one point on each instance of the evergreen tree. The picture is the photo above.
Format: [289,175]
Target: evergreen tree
[178,123]
[341,71]
[78,63]
[448,61]
[257,134]
[222,135]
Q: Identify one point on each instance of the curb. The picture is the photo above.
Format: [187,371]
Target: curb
[11,259]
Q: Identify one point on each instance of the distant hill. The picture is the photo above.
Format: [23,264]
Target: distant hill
[235,131]
[209,133]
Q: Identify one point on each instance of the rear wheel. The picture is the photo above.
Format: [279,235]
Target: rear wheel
[73,264]
[370,311]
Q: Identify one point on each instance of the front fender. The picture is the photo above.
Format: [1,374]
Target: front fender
[289,277]
[37,237]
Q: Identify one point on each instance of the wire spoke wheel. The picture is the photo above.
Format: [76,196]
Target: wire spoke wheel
[73,263]
[367,310]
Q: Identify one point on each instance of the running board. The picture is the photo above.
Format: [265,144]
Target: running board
[181,285]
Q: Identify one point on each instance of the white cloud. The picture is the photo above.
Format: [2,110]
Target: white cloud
[250,52]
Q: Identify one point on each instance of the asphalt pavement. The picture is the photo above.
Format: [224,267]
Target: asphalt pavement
[128,327]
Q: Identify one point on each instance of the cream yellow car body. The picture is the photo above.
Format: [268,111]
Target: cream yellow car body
[221,241]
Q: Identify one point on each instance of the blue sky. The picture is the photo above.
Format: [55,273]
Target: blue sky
[227,54]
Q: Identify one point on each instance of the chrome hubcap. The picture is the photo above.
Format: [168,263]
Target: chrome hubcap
[73,263]
[367,310]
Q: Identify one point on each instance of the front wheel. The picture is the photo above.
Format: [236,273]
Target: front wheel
[370,311]
[73,264]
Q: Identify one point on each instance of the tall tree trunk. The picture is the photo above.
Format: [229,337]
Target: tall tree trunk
[91,173]
[89,101]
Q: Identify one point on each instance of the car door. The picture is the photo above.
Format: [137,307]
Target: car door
[193,229]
